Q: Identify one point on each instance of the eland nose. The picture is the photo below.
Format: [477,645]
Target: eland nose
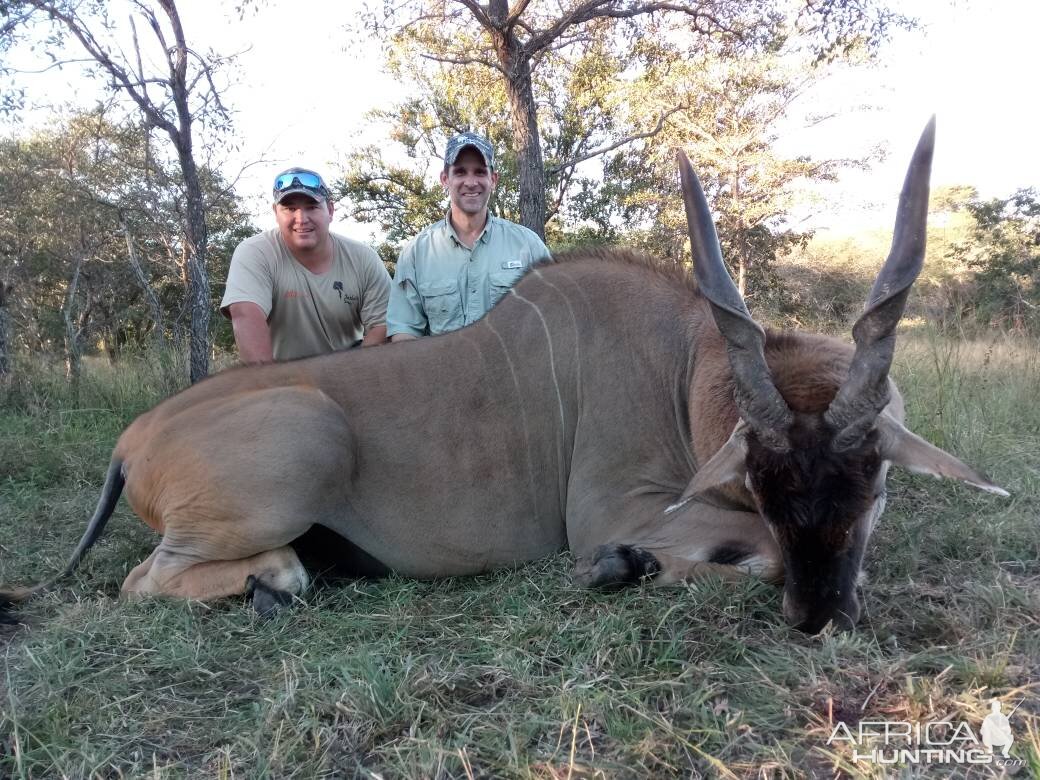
[844,615]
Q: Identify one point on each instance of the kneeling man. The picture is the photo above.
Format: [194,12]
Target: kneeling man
[298,289]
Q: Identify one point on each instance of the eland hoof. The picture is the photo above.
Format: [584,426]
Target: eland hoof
[267,602]
[614,566]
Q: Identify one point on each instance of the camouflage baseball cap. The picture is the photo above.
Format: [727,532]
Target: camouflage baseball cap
[464,140]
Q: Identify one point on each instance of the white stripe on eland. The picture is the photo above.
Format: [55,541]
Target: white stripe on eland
[552,358]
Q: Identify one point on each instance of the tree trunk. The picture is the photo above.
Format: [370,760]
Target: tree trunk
[743,246]
[526,139]
[154,307]
[72,351]
[5,333]
[195,227]
[196,237]
[199,290]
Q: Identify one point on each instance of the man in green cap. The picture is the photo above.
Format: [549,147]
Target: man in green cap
[299,290]
[453,272]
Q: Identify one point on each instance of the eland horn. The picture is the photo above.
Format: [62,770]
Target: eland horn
[758,401]
[865,392]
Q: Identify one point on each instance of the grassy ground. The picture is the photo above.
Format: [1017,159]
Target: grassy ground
[519,674]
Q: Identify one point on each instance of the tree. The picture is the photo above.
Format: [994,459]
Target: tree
[729,120]
[1004,252]
[172,97]
[515,42]
[736,109]
[590,102]
[92,241]
[47,248]
[5,330]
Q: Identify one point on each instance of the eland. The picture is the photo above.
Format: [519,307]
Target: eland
[607,404]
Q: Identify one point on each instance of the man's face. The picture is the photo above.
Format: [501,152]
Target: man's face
[469,182]
[303,222]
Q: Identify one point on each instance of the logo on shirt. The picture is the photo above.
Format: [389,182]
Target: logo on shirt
[511,264]
[292,294]
[338,287]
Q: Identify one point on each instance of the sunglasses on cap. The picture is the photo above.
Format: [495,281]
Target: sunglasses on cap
[307,179]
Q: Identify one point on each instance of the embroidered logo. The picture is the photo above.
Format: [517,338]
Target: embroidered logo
[347,298]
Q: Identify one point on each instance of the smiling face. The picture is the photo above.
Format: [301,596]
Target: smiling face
[304,223]
[469,183]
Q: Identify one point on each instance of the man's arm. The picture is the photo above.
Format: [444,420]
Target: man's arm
[252,334]
[405,316]
[374,336]
[539,251]
[375,291]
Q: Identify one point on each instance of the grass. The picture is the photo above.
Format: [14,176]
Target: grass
[520,674]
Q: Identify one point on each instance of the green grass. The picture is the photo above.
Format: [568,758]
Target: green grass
[520,674]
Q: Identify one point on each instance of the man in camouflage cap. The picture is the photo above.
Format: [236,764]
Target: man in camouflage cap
[453,272]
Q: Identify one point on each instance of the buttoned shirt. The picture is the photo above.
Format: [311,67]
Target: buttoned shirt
[440,284]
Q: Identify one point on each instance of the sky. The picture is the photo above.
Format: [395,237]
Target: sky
[971,65]
[303,84]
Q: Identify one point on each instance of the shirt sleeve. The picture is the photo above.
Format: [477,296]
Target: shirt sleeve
[537,247]
[405,313]
[249,279]
[375,293]
[540,251]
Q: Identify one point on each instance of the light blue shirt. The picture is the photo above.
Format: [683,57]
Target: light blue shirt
[440,284]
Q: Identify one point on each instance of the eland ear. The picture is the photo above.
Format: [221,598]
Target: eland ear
[725,466]
[902,447]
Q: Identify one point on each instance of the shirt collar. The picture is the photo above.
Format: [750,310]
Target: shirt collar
[483,238]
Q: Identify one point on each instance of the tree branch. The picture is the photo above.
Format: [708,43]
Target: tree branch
[465,61]
[599,9]
[479,14]
[515,13]
[626,140]
[13,23]
[101,55]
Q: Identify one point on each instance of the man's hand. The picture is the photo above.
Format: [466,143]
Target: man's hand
[402,337]
[375,336]
[252,334]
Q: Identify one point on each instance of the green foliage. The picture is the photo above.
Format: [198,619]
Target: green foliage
[1004,253]
[72,196]
[980,270]
[620,96]
[734,107]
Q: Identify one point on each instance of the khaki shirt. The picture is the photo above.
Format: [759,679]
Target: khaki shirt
[308,313]
[441,285]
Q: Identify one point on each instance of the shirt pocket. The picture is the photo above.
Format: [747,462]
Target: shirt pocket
[442,304]
[500,282]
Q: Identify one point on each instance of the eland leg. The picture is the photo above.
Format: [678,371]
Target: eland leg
[236,482]
[700,540]
[272,578]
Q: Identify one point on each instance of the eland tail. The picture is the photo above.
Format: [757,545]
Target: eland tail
[110,493]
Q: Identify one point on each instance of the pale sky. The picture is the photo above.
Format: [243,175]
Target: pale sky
[303,86]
